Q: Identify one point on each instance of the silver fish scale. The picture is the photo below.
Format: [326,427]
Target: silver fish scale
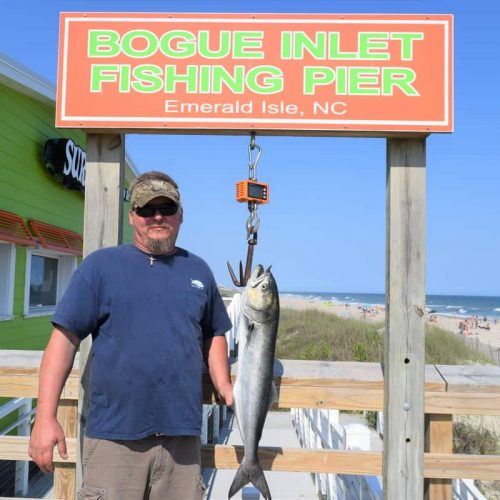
[254,389]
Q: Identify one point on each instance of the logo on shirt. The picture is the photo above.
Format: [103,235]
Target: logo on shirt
[197,284]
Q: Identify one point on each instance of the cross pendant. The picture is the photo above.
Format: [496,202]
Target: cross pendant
[151,260]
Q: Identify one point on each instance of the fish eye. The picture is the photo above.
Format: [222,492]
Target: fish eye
[264,286]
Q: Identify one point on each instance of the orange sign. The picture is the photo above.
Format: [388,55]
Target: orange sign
[287,72]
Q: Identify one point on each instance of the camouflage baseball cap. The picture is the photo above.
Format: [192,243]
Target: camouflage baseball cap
[145,188]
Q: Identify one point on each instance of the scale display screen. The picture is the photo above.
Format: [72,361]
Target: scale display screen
[257,191]
[249,190]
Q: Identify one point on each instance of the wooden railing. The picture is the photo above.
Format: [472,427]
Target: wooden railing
[449,390]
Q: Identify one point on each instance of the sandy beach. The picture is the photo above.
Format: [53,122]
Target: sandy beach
[489,337]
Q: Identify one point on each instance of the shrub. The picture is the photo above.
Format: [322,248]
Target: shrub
[323,336]
[444,348]
[371,419]
[318,335]
[473,440]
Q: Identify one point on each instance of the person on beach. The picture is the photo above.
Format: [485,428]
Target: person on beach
[155,315]
[462,327]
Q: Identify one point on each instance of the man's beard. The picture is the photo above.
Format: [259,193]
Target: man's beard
[159,246]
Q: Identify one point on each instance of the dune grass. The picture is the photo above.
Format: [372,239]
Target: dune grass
[317,335]
[322,336]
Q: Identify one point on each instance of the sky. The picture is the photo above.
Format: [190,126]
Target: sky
[324,228]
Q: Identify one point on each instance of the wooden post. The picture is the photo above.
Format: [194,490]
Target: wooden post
[438,439]
[405,310]
[65,473]
[103,223]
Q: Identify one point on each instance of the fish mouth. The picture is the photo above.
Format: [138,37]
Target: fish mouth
[259,275]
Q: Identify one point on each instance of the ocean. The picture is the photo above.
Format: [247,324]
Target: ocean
[460,306]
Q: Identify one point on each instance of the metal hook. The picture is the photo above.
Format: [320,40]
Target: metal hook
[244,276]
[253,220]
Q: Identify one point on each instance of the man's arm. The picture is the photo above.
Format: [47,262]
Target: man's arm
[215,353]
[56,365]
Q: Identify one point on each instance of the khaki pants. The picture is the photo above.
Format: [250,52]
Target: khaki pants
[153,468]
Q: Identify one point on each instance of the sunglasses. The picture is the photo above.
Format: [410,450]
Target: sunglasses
[150,210]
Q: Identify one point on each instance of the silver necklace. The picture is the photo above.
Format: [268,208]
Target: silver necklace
[153,259]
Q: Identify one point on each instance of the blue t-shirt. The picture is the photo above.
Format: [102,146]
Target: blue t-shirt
[148,323]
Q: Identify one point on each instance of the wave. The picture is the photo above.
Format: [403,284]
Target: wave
[449,305]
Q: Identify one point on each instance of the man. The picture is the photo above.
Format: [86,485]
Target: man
[155,313]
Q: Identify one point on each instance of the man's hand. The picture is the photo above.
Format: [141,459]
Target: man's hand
[226,394]
[45,435]
[56,365]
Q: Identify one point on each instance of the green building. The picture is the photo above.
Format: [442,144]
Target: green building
[42,175]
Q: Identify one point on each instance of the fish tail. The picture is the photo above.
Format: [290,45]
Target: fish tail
[239,481]
[250,473]
[259,481]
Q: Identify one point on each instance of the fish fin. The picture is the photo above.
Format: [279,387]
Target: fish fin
[273,395]
[239,481]
[259,481]
[246,474]
[236,401]
[245,329]
[242,330]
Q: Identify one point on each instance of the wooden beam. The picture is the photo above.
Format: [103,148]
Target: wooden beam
[462,403]
[340,398]
[470,378]
[461,390]
[295,460]
[65,474]
[442,465]
[436,465]
[405,310]
[103,223]
[16,448]
[439,439]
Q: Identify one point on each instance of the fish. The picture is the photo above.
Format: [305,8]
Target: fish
[254,390]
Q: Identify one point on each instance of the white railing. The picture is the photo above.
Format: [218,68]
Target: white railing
[464,489]
[233,310]
[321,429]
[213,418]
[24,408]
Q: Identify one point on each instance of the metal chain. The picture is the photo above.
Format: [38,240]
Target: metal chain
[252,162]
[253,220]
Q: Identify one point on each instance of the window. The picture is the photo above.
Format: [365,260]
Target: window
[47,276]
[43,282]
[7,260]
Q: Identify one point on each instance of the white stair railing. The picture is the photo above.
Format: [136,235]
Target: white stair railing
[24,408]
[321,429]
